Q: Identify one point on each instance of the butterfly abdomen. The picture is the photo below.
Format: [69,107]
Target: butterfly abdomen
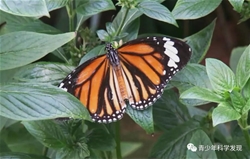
[121,83]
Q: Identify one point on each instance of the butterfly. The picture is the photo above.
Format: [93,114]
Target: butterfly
[134,74]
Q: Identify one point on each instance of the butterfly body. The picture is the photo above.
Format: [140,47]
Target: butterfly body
[136,74]
[113,57]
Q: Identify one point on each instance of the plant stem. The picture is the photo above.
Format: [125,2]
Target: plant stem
[45,150]
[247,137]
[117,139]
[244,127]
[82,19]
[71,15]
[122,23]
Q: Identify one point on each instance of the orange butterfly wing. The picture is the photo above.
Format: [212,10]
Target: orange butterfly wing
[94,84]
[149,63]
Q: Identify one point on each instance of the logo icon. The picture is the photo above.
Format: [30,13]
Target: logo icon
[191,147]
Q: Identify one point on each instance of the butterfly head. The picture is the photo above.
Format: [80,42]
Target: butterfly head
[112,55]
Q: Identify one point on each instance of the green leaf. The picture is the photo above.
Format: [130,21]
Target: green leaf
[237,100]
[92,7]
[202,94]
[191,75]
[243,68]
[43,72]
[6,122]
[195,111]
[200,42]
[237,133]
[101,140]
[132,29]
[80,151]
[193,9]
[59,134]
[129,147]
[244,154]
[18,139]
[103,35]
[34,8]
[18,23]
[235,57]
[220,75]
[21,48]
[7,75]
[48,132]
[224,113]
[239,141]
[3,122]
[144,118]
[245,12]
[223,134]
[61,54]
[39,101]
[19,155]
[173,144]
[99,50]
[246,108]
[237,4]
[246,90]
[110,29]
[169,112]
[131,16]
[200,140]
[4,146]
[157,11]
[53,5]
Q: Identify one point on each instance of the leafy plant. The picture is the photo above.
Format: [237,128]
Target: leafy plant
[34,112]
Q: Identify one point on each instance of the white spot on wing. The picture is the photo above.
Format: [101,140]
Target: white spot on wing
[170,43]
[171,52]
[61,85]
[166,39]
[65,89]
[164,72]
[171,63]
